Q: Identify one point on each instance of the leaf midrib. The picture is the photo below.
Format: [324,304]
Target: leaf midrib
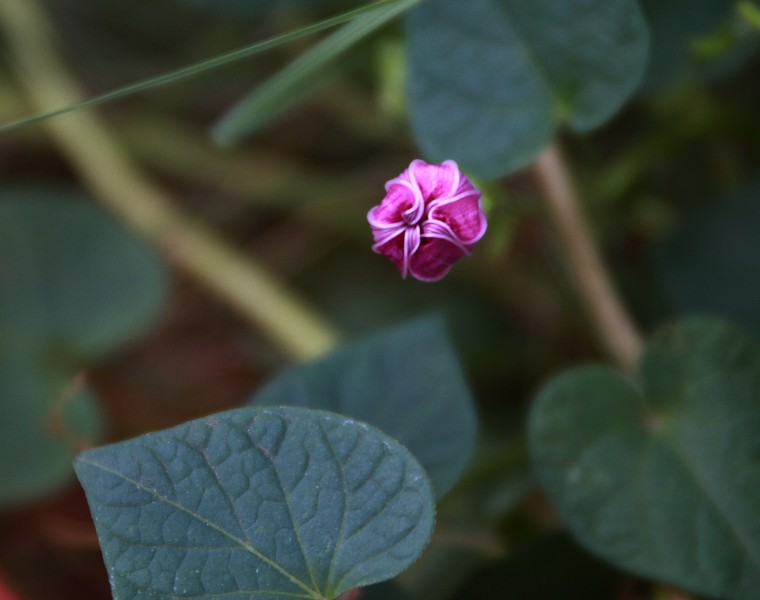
[714,500]
[243,543]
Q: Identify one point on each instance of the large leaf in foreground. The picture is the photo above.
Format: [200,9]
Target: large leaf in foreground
[406,381]
[264,502]
[490,80]
[662,478]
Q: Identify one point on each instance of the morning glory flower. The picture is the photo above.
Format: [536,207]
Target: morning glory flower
[431,216]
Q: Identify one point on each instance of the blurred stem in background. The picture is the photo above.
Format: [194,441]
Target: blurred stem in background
[122,187]
[614,326]
[112,176]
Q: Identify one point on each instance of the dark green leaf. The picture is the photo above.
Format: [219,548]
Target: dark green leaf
[406,382]
[490,80]
[676,27]
[35,456]
[711,264]
[264,502]
[73,283]
[662,478]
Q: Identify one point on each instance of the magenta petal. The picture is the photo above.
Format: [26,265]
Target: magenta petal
[411,244]
[393,248]
[434,259]
[464,216]
[383,236]
[429,218]
[435,180]
[398,199]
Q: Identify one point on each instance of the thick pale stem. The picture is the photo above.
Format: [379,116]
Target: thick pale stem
[119,184]
[613,325]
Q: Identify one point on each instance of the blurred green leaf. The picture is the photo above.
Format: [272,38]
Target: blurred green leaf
[711,263]
[406,381]
[268,502]
[285,89]
[73,283]
[35,457]
[661,477]
[678,29]
[489,81]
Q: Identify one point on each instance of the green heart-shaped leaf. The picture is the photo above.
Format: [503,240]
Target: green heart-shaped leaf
[709,264]
[73,283]
[675,25]
[662,478]
[405,381]
[490,80]
[257,502]
[35,455]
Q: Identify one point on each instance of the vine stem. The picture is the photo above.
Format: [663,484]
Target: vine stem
[120,185]
[613,325]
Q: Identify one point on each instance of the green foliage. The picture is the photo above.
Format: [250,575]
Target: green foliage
[710,262]
[660,477]
[269,502]
[681,31]
[73,285]
[284,89]
[200,67]
[406,381]
[490,80]
[35,457]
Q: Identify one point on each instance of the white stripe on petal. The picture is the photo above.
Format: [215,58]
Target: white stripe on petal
[386,237]
[438,229]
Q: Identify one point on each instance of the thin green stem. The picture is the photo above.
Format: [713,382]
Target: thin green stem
[201,67]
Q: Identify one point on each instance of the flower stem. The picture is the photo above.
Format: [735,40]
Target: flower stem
[117,182]
[613,325]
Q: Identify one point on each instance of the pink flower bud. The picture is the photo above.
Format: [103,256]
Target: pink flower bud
[430,217]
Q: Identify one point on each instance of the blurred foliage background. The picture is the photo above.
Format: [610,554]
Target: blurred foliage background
[670,188]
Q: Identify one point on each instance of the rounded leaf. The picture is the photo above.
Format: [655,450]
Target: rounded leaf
[406,381]
[490,80]
[35,453]
[271,502]
[73,282]
[661,478]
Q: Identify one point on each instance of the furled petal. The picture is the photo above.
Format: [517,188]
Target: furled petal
[430,217]
[438,229]
[435,181]
[399,197]
[434,259]
[400,246]
[411,244]
[463,213]
[383,236]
